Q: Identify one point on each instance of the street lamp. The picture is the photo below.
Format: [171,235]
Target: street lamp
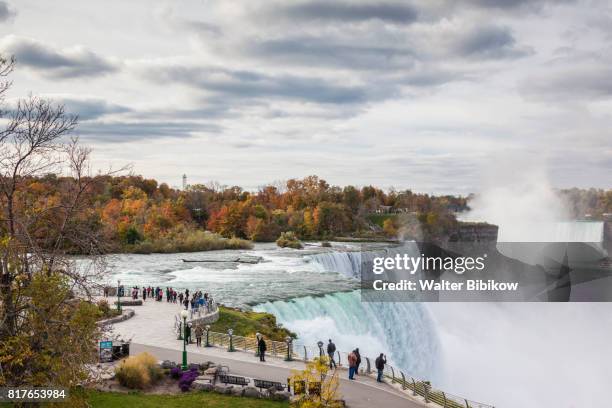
[320,344]
[207,331]
[184,316]
[289,342]
[231,342]
[118,298]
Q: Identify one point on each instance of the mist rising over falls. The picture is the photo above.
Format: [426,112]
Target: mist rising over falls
[477,350]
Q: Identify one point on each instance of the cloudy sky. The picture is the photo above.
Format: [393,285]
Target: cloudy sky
[426,95]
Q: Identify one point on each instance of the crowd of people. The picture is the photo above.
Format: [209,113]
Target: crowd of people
[199,301]
[354,361]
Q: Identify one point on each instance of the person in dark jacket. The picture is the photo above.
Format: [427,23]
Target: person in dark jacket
[331,350]
[262,347]
[358,361]
[380,366]
[188,333]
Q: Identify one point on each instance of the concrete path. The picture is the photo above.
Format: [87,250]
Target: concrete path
[151,330]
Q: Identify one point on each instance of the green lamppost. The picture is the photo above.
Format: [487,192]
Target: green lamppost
[184,316]
[231,348]
[289,342]
[118,297]
[320,344]
[207,332]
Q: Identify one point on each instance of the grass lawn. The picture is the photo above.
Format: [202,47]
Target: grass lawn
[189,400]
[247,323]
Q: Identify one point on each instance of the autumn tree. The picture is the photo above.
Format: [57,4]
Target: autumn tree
[47,333]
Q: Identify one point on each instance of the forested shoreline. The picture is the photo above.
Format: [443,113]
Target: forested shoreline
[140,215]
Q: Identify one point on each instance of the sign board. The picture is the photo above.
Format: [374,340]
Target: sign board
[106,351]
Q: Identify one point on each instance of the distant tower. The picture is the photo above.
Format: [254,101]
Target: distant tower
[184,182]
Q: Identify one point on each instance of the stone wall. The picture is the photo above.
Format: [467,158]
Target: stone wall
[206,319]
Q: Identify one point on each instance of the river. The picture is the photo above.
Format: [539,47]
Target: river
[505,354]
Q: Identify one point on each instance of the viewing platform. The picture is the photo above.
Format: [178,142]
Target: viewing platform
[153,329]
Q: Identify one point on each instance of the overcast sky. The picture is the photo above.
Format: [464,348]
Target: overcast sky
[424,95]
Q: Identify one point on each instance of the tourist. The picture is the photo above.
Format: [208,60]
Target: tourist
[188,333]
[199,331]
[144,294]
[186,303]
[358,361]
[180,296]
[380,366]
[106,291]
[331,349]
[352,361]
[262,347]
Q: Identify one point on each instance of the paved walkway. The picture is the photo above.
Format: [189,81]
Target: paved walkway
[151,330]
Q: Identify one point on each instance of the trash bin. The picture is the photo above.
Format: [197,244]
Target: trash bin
[116,352]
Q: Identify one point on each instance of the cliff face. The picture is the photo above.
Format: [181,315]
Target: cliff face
[608,237]
[475,232]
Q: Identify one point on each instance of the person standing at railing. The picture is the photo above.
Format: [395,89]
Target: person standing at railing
[380,366]
[358,361]
[199,331]
[262,347]
[352,361]
[331,349]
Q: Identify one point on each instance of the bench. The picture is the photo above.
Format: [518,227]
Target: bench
[234,380]
[268,384]
[314,388]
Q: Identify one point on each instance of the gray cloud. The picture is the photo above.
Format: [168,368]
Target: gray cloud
[307,50]
[251,84]
[514,4]
[570,84]
[67,63]
[347,12]
[489,42]
[118,132]
[6,13]
[89,108]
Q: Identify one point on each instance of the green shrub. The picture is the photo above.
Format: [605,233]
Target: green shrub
[289,240]
[189,240]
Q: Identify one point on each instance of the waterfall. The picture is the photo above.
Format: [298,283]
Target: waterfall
[345,263]
[579,231]
[350,263]
[403,331]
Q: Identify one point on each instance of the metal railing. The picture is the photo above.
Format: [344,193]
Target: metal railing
[297,351]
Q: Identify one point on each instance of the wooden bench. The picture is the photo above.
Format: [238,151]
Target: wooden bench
[234,380]
[268,384]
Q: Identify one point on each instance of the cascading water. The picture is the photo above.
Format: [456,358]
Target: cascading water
[403,331]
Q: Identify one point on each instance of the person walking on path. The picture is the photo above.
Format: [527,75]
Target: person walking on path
[358,361]
[380,366]
[352,360]
[331,349]
[144,294]
[262,347]
[188,333]
[199,331]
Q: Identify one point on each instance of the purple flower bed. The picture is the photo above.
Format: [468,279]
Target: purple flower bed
[175,372]
[187,378]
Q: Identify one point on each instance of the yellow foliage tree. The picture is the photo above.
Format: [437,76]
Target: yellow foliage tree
[317,372]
